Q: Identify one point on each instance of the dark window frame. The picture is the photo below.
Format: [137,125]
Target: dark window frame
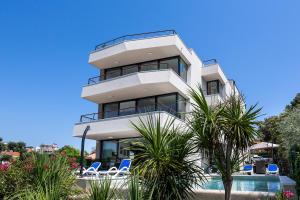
[140,63]
[118,144]
[136,103]
[218,86]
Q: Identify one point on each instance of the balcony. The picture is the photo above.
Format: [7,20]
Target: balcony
[138,48]
[134,85]
[214,99]
[116,127]
[211,70]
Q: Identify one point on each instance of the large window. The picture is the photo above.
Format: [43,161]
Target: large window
[174,63]
[212,87]
[127,108]
[149,66]
[169,64]
[167,103]
[172,103]
[109,152]
[112,73]
[113,151]
[183,69]
[146,104]
[111,110]
[130,69]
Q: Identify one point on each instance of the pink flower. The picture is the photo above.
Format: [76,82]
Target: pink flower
[74,165]
[4,166]
[288,194]
[46,167]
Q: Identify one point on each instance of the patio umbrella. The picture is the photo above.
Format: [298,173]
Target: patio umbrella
[264,145]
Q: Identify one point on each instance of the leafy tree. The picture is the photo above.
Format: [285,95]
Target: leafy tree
[70,151]
[164,159]
[290,128]
[16,146]
[269,129]
[2,145]
[295,103]
[226,129]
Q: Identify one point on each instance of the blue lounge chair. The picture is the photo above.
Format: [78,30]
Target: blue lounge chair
[123,169]
[272,169]
[248,169]
[92,170]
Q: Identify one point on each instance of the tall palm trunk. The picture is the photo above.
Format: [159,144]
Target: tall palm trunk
[210,158]
[227,182]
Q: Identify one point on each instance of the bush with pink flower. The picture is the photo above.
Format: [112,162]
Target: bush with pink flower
[4,166]
[285,195]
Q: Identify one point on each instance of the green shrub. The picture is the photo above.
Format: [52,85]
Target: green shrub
[14,179]
[102,190]
[51,178]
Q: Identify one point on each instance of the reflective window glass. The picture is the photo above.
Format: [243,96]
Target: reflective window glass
[127,108]
[146,105]
[149,66]
[112,73]
[167,103]
[213,87]
[169,64]
[110,110]
[130,69]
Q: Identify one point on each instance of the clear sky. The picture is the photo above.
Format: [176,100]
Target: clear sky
[44,48]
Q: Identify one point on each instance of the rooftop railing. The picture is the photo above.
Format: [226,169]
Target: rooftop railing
[138,36]
[209,62]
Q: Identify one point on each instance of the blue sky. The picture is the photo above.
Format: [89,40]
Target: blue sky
[44,47]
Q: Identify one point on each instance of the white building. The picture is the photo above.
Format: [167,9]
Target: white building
[139,74]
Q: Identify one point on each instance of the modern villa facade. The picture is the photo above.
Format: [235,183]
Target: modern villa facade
[141,74]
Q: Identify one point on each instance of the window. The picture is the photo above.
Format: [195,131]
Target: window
[110,110]
[130,69]
[109,152]
[146,105]
[112,73]
[169,64]
[212,87]
[183,70]
[167,103]
[127,108]
[149,66]
[124,148]
[181,106]
[172,103]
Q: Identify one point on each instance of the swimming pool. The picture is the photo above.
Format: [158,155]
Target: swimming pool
[246,183]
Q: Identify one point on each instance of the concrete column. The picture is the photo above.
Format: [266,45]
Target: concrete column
[98,147]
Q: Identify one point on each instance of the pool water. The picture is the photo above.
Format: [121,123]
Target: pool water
[246,183]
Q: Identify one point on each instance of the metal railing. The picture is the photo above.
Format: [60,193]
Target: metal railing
[171,108]
[209,62]
[138,36]
[99,79]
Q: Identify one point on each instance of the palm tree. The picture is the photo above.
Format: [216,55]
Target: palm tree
[226,130]
[164,159]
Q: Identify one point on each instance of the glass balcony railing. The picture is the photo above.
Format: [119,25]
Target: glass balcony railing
[171,108]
